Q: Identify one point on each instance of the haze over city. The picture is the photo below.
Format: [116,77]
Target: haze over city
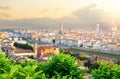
[44,14]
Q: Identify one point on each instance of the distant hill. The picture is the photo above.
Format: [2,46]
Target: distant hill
[46,23]
[5,27]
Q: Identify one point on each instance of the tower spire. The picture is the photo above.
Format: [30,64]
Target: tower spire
[61,26]
[114,27]
[35,49]
[61,30]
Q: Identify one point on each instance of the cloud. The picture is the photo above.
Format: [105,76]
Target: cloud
[43,11]
[5,15]
[46,10]
[86,17]
[4,8]
[57,9]
[90,14]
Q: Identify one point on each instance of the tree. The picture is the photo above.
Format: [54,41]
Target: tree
[4,64]
[118,61]
[105,71]
[23,46]
[68,51]
[20,70]
[53,41]
[61,66]
[62,50]
[81,45]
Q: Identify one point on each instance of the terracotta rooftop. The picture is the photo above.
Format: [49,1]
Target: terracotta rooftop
[17,50]
[43,47]
[8,47]
[113,43]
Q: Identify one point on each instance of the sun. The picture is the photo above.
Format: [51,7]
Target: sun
[114,9]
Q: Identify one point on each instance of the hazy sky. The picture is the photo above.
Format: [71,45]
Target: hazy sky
[19,9]
[81,11]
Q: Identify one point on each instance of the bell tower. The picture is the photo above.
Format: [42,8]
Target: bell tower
[61,27]
[35,49]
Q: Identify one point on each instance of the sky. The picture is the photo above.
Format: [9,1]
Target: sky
[38,11]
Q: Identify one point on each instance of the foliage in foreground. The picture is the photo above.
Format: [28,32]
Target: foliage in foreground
[61,66]
[57,67]
[106,71]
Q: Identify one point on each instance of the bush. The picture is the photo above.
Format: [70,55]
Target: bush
[61,66]
[57,67]
[105,71]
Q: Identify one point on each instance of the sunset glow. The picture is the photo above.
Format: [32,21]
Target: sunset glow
[19,9]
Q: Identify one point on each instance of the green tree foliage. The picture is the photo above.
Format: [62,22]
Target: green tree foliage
[62,67]
[82,56]
[118,61]
[91,65]
[68,51]
[20,70]
[57,67]
[23,46]
[4,64]
[105,71]
[62,51]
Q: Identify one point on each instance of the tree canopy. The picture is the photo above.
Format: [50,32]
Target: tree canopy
[61,66]
[23,46]
[57,67]
[106,71]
